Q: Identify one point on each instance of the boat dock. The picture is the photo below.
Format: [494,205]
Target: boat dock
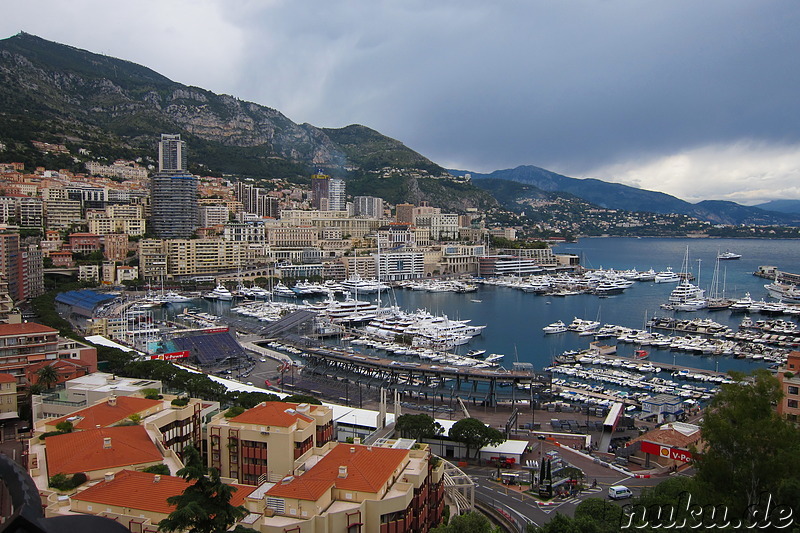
[476,384]
[772,273]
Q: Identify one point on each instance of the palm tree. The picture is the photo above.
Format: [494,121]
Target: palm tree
[47,376]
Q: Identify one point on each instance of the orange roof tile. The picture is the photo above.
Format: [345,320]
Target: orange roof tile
[137,490]
[280,414]
[7,378]
[24,328]
[102,414]
[82,451]
[368,469]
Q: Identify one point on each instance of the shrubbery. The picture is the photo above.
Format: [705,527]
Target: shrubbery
[64,483]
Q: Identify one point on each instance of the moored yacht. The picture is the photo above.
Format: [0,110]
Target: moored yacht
[219,293]
[667,276]
[555,327]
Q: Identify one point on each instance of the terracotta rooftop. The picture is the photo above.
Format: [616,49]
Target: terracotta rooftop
[83,451]
[7,378]
[103,414]
[24,328]
[140,491]
[368,469]
[280,414]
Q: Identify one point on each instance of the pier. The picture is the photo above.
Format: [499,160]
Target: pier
[475,384]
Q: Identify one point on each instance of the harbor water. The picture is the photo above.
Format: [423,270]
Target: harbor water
[514,319]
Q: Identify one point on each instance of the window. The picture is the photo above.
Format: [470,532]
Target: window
[792,389]
[792,404]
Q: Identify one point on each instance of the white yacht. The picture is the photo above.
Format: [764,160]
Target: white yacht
[555,327]
[727,256]
[219,293]
[356,285]
[686,291]
[283,291]
[781,291]
[667,276]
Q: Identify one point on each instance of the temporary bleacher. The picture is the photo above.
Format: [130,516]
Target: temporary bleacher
[210,348]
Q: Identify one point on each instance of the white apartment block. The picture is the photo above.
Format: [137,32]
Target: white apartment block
[368,207]
[245,232]
[213,215]
[396,266]
[440,225]
[128,170]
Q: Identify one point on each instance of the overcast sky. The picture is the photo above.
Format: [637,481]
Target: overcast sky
[699,99]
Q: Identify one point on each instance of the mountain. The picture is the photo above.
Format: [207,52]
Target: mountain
[624,197]
[113,108]
[781,206]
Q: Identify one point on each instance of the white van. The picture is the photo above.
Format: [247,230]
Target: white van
[619,492]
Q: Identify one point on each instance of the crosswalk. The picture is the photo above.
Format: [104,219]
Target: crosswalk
[552,505]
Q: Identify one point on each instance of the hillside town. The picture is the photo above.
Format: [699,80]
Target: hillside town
[109,408]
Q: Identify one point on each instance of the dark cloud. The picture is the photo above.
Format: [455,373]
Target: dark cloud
[578,87]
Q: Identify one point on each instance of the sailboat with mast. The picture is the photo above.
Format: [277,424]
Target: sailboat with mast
[717,300]
[687,296]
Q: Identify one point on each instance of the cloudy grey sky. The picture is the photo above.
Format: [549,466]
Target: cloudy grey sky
[700,99]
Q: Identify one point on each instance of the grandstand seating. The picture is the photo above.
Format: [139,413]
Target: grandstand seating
[210,348]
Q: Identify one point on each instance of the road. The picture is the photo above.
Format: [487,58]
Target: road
[524,508]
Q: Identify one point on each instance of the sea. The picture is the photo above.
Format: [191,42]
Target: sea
[514,319]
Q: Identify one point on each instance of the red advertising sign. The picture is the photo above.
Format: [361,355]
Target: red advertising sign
[667,452]
[172,356]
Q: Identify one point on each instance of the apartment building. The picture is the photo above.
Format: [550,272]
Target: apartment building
[789,376]
[115,246]
[213,215]
[191,257]
[61,214]
[127,219]
[8,396]
[357,488]
[397,266]
[440,225]
[84,243]
[368,206]
[25,344]
[269,441]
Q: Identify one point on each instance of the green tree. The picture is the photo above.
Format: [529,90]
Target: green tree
[47,376]
[65,426]
[157,469]
[204,507]
[472,522]
[417,426]
[749,449]
[474,434]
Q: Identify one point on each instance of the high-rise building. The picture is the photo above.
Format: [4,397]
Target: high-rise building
[174,192]
[404,213]
[367,206]
[337,201]
[320,185]
[171,154]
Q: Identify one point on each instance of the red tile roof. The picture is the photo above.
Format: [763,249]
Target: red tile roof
[82,451]
[7,378]
[137,490]
[280,414]
[368,469]
[103,414]
[24,328]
